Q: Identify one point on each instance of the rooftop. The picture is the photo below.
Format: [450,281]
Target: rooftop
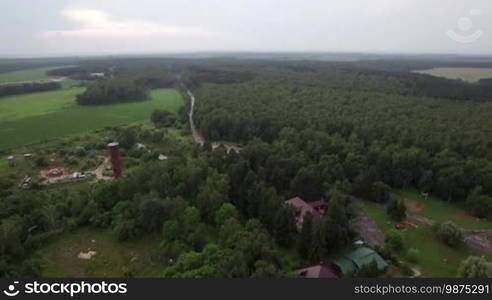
[319,271]
[355,260]
[302,208]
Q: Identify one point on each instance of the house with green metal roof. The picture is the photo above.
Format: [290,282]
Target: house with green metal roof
[354,261]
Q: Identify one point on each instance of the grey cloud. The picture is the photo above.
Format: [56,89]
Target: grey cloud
[289,25]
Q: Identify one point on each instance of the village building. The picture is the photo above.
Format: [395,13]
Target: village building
[316,209]
[318,271]
[352,262]
[11,161]
[97,75]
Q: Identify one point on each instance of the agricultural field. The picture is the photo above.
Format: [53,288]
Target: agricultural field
[32,118]
[465,74]
[25,75]
[435,259]
[112,259]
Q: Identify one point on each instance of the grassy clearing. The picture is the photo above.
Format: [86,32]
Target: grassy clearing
[465,74]
[435,259]
[25,75]
[440,211]
[113,258]
[35,104]
[32,118]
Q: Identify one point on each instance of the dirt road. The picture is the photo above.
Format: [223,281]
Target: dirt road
[367,228]
[197,136]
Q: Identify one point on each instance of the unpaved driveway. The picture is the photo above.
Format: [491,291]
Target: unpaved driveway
[364,225]
[197,136]
[479,239]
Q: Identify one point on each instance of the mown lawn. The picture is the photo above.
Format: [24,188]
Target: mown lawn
[25,75]
[32,118]
[465,74]
[435,258]
[441,211]
[113,258]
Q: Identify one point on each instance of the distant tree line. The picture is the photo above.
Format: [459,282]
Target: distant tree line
[485,82]
[197,75]
[19,64]
[151,77]
[26,88]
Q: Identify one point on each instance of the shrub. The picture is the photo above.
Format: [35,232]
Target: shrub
[479,204]
[406,269]
[475,267]
[387,253]
[396,209]
[450,233]
[162,118]
[394,240]
[413,255]
[81,152]
[41,162]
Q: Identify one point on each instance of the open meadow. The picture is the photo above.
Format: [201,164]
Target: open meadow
[439,210]
[465,74]
[31,118]
[25,75]
[112,259]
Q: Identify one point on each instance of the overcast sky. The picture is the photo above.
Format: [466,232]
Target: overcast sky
[54,27]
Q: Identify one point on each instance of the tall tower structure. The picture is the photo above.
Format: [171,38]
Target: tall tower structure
[114,153]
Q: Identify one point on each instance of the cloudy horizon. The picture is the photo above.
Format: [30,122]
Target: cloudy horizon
[76,27]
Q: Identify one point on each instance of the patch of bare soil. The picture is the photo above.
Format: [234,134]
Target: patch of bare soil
[367,228]
[479,239]
[413,206]
[419,219]
[68,256]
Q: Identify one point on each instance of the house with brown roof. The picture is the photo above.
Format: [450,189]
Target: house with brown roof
[318,271]
[301,207]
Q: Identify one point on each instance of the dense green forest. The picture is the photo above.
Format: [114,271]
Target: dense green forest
[110,91]
[185,199]
[343,126]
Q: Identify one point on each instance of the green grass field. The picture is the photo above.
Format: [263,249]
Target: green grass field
[113,258]
[440,211]
[25,75]
[31,118]
[465,74]
[435,258]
